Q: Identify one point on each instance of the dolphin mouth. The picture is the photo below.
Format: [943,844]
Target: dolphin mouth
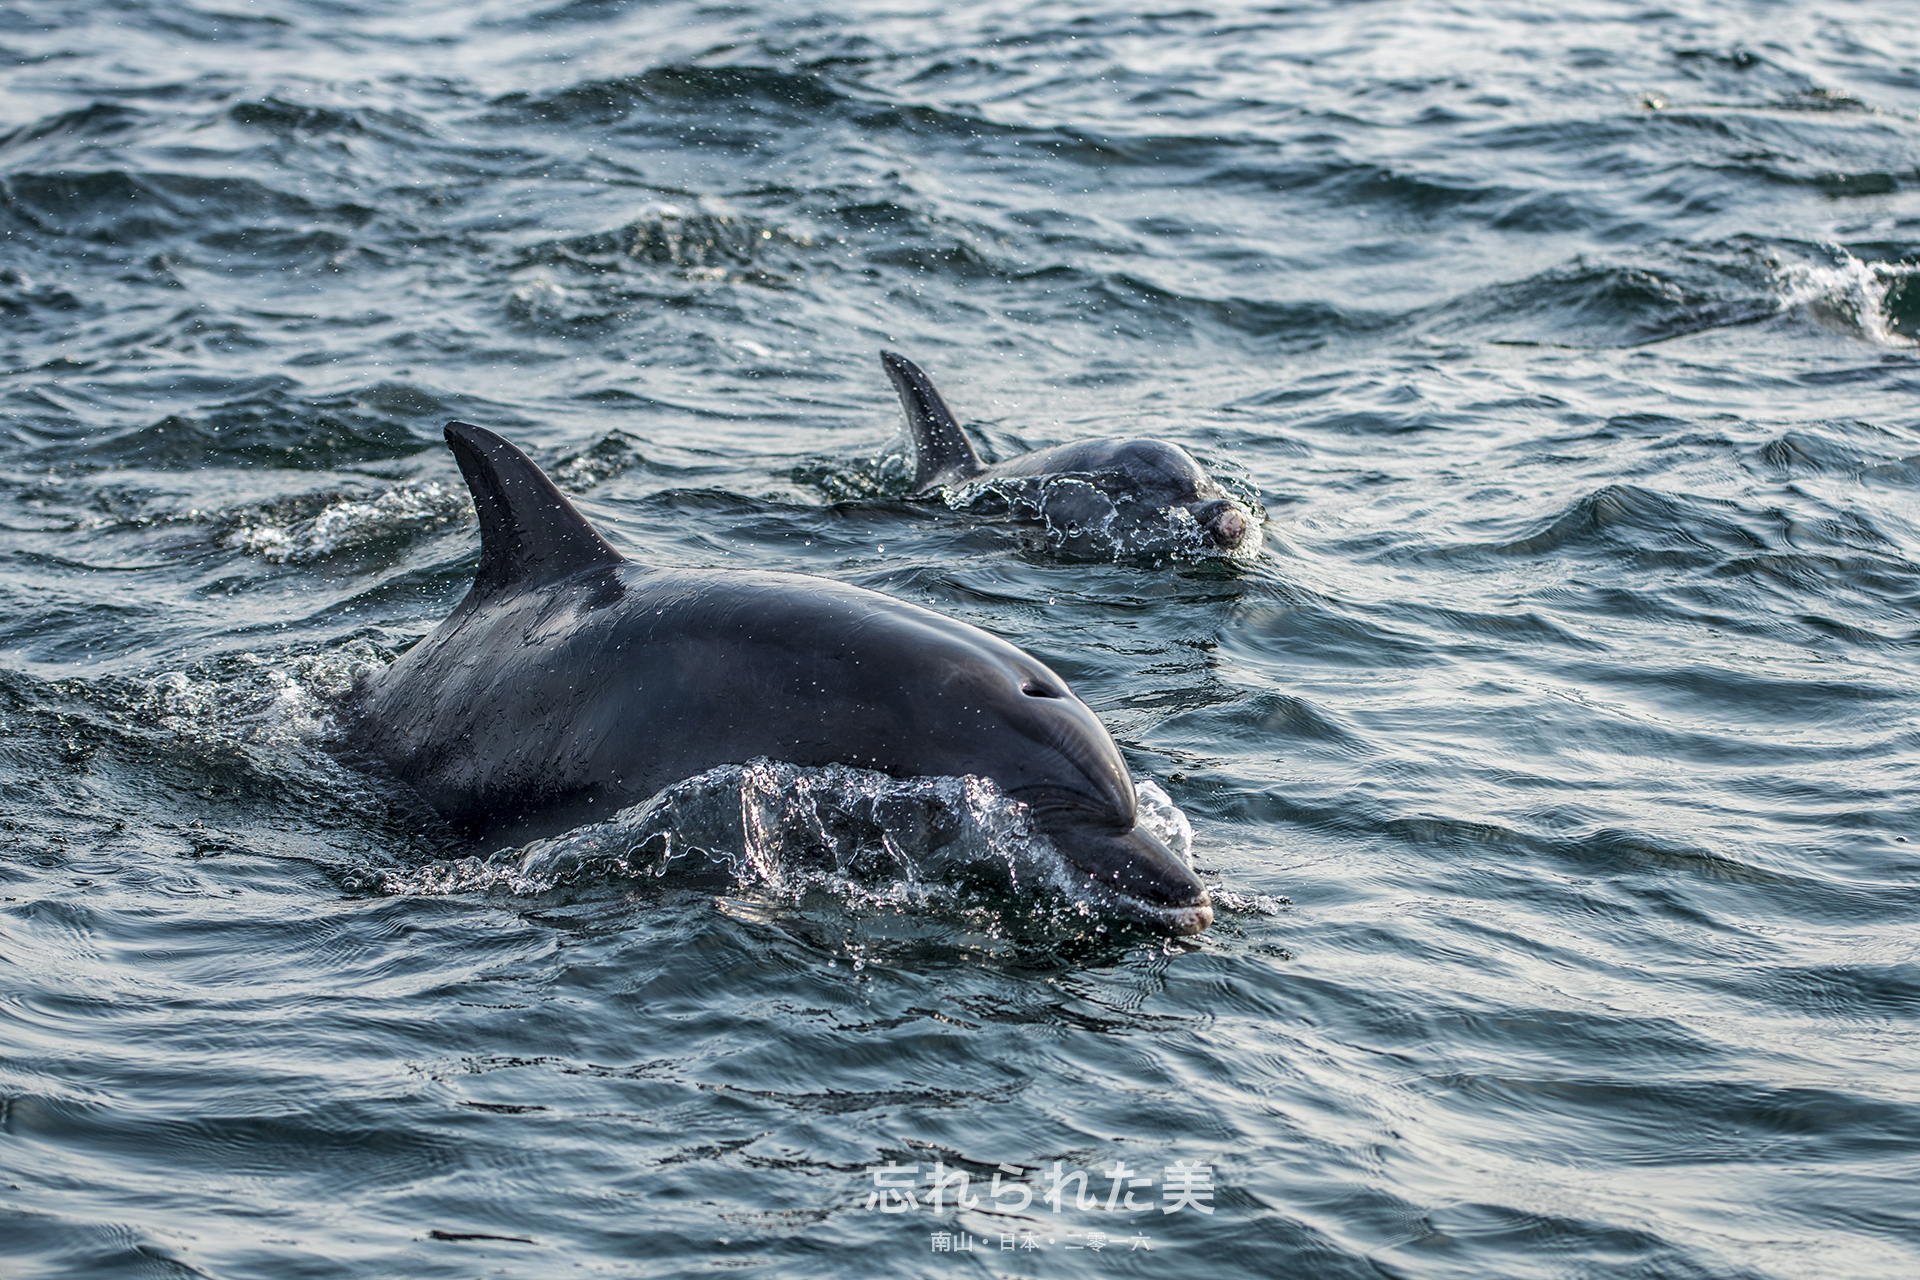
[1136,876]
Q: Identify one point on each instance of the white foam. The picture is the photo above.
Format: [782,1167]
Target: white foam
[255,699]
[1849,296]
[1076,517]
[778,831]
[349,522]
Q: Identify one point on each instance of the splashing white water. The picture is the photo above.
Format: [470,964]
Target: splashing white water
[348,523]
[249,698]
[778,831]
[1161,818]
[1849,296]
[1078,518]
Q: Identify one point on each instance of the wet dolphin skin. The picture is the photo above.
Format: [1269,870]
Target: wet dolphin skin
[571,682]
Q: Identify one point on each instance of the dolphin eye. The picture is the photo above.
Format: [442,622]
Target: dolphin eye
[1034,689]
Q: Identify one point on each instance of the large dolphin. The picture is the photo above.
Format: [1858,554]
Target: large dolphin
[1139,481]
[571,682]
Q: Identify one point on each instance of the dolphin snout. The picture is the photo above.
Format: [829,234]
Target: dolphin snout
[1223,523]
[1145,879]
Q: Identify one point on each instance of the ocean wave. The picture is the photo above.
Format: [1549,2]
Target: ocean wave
[127,207]
[270,424]
[676,88]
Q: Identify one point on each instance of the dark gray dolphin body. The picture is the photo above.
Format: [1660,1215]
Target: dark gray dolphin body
[571,683]
[1133,478]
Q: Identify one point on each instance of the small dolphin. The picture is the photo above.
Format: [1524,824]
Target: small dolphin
[571,683]
[1141,482]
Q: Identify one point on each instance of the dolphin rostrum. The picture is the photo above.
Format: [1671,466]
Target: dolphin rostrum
[571,683]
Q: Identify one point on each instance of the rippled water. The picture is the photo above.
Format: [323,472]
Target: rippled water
[1554,763]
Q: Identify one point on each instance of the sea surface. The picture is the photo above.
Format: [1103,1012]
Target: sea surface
[1554,761]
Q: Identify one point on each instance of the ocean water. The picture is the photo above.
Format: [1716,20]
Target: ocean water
[1554,760]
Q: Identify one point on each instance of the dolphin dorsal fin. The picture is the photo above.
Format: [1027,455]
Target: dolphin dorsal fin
[942,453]
[529,533]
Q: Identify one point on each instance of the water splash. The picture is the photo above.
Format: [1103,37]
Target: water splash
[779,831]
[1078,519]
[284,534]
[1860,299]
[1161,818]
[290,699]
[696,240]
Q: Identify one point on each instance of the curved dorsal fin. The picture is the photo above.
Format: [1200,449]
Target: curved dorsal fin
[529,532]
[942,453]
